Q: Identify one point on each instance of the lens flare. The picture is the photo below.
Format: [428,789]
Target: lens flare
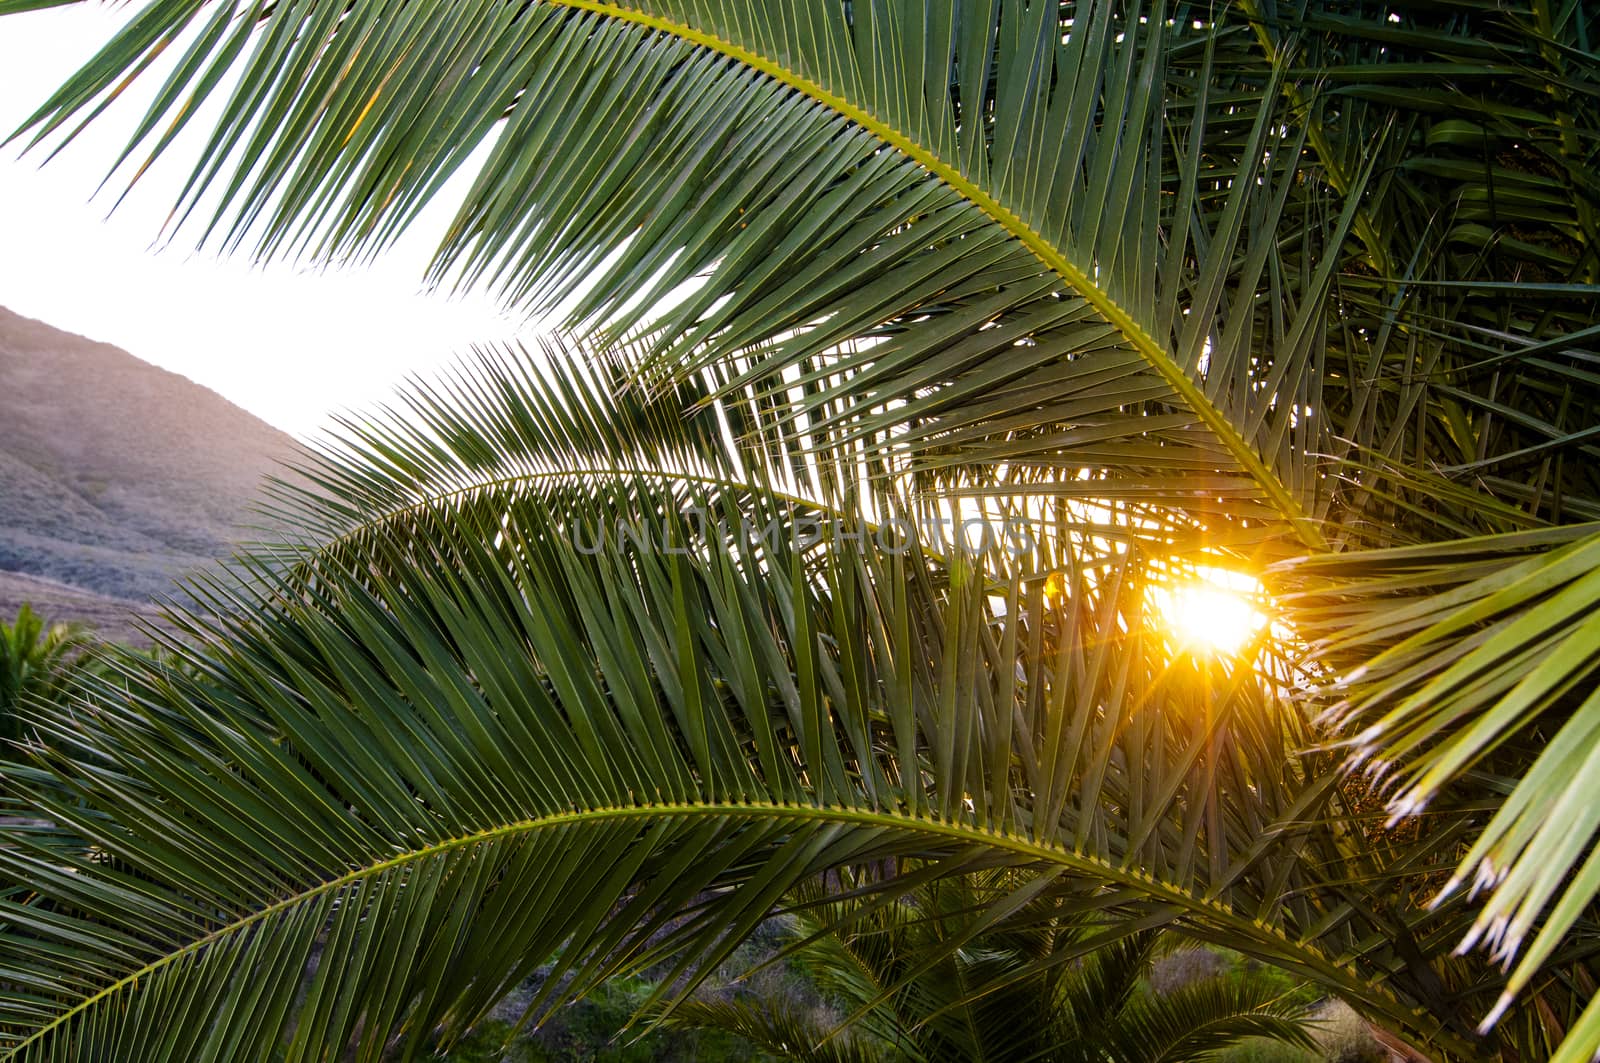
[1211,611]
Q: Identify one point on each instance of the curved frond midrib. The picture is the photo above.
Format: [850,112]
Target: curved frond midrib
[1052,257]
[1268,940]
[462,493]
[354,532]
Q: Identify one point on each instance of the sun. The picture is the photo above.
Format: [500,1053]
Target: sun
[1211,611]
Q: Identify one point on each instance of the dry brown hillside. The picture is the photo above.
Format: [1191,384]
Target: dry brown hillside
[116,475]
[111,618]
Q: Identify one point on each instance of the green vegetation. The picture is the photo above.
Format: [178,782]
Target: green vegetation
[1304,294]
[37,662]
[595,1031]
[929,986]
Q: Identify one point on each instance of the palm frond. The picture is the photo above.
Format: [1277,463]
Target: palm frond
[1182,279]
[454,748]
[1091,253]
[1467,309]
[1042,983]
[777,1026]
[38,661]
[1200,1021]
[1477,667]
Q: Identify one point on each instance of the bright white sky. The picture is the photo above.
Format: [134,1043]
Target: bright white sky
[289,344]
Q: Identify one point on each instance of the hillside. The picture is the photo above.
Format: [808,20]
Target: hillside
[111,618]
[116,476]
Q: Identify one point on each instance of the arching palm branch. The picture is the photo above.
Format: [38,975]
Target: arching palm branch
[484,728]
[1135,269]
[1477,661]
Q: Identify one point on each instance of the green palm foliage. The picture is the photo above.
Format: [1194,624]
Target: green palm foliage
[1043,987]
[1172,284]
[37,661]
[1490,649]
[483,728]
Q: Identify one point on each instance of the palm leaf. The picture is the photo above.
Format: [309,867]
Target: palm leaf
[955,233]
[1191,275]
[448,749]
[775,1026]
[1458,381]
[1041,984]
[1489,650]
[38,661]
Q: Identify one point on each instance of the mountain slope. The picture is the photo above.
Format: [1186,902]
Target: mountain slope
[115,475]
[112,619]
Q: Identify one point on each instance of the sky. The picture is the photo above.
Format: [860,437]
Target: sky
[289,343]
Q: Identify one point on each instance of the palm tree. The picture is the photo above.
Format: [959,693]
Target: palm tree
[37,662]
[1171,285]
[1046,988]
[492,730]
